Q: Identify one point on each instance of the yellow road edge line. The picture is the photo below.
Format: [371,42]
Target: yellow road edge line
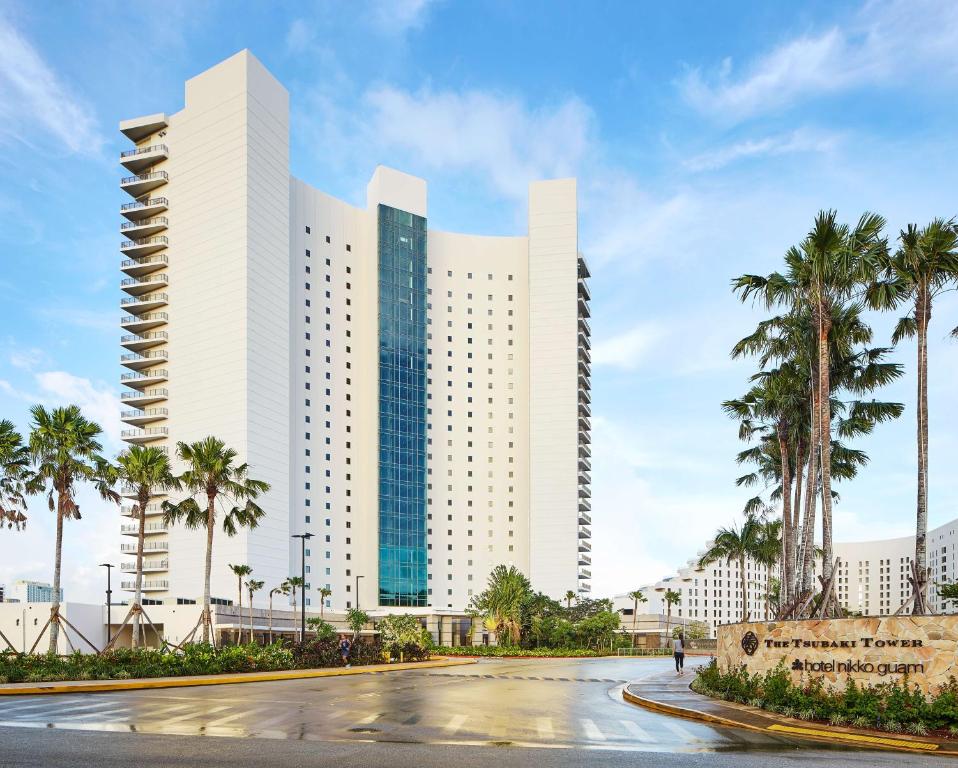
[924,745]
[264,677]
[834,736]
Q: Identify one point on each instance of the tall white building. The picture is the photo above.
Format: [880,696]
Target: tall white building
[418,400]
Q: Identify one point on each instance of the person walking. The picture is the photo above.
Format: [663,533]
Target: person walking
[678,651]
[344,648]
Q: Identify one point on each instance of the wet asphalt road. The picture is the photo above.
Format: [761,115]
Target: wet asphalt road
[553,712]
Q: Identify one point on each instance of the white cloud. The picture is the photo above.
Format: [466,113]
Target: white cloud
[397,16]
[878,45]
[799,141]
[32,96]
[98,403]
[27,359]
[628,349]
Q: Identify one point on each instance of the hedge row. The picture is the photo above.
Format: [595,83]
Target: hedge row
[895,706]
[502,650]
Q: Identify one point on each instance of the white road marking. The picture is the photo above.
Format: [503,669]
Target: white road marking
[592,731]
[679,731]
[230,718]
[193,714]
[544,725]
[636,731]
[370,718]
[455,723]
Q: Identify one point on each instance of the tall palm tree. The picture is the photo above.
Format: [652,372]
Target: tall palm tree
[146,470]
[671,598]
[324,592]
[925,264]
[65,452]
[211,470]
[252,586]
[637,597]
[569,597]
[294,583]
[282,589]
[737,544]
[768,551]
[240,572]
[504,603]
[14,476]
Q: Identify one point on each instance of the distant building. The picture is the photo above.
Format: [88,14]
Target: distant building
[2,590]
[32,592]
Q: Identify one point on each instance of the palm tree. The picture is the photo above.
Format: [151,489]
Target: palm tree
[324,592]
[146,470]
[282,589]
[252,586]
[65,452]
[637,597]
[14,476]
[735,544]
[569,597]
[768,550]
[293,582]
[671,598]
[924,265]
[503,604]
[211,470]
[240,571]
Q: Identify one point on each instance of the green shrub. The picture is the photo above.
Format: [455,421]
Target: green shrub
[500,650]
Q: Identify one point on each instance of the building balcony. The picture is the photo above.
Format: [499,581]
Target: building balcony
[583,559]
[585,396]
[584,326]
[585,436]
[585,532]
[584,545]
[137,230]
[139,185]
[150,529]
[584,310]
[585,505]
[585,356]
[585,478]
[147,435]
[128,491]
[584,290]
[145,379]
[139,305]
[137,362]
[148,567]
[585,518]
[150,547]
[157,585]
[584,587]
[584,381]
[145,245]
[143,416]
[144,209]
[584,367]
[146,397]
[151,510]
[145,265]
[139,159]
[585,450]
[585,492]
[585,423]
[585,463]
[584,339]
[138,128]
[583,268]
[137,286]
[137,342]
[585,409]
[585,573]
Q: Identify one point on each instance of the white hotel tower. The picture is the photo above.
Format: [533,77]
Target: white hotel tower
[418,400]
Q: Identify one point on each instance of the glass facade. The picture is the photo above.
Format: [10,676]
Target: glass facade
[402,408]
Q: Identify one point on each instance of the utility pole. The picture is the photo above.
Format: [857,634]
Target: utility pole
[109,601]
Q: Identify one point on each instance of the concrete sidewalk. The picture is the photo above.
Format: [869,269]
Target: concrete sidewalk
[669,694]
[99,686]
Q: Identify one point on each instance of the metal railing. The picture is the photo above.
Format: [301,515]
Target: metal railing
[144,412]
[160,258]
[154,278]
[145,432]
[149,393]
[148,528]
[149,203]
[146,177]
[144,150]
[149,336]
[146,298]
[154,222]
[160,354]
[162,565]
[154,584]
[161,373]
[156,240]
[156,546]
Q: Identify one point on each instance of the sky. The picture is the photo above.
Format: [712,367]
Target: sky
[704,136]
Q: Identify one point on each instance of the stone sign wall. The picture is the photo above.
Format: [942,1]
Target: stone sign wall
[870,650]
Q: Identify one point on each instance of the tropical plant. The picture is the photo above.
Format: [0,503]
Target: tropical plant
[398,632]
[212,471]
[146,471]
[637,597]
[14,476]
[356,619]
[292,584]
[924,265]
[503,603]
[671,598]
[768,552]
[324,592]
[252,586]
[736,544]
[240,572]
[323,629]
[569,597]
[282,589]
[65,451]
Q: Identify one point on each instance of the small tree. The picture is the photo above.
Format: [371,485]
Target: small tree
[399,632]
[569,597]
[240,571]
[282,589]
[252,586]
[356,619]
[637,597]
[671,598]
[324,592]
[14,476]
[323,629]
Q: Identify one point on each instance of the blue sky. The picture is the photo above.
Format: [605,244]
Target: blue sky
[705,137]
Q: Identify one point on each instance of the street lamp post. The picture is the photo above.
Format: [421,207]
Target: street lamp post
[302,538]
[109,601]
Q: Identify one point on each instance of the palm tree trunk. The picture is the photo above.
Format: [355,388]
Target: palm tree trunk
[796,512]
[787,533]
[239,616]
[249,610]
[635,611]
[270,618]
[210,521]
[142,498]
[741,569]
[811,497]
[825,436]
[923,317]
[668,622]
[55,598]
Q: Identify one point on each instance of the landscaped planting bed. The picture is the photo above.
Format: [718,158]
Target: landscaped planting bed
[507,651]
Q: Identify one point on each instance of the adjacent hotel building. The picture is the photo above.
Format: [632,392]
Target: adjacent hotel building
[872,580]
[418,400]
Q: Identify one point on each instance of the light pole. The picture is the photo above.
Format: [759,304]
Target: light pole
[302,538]
[358,577]
[109,601]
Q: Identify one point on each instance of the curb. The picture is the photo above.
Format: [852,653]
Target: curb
[80,686]
[889,743]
